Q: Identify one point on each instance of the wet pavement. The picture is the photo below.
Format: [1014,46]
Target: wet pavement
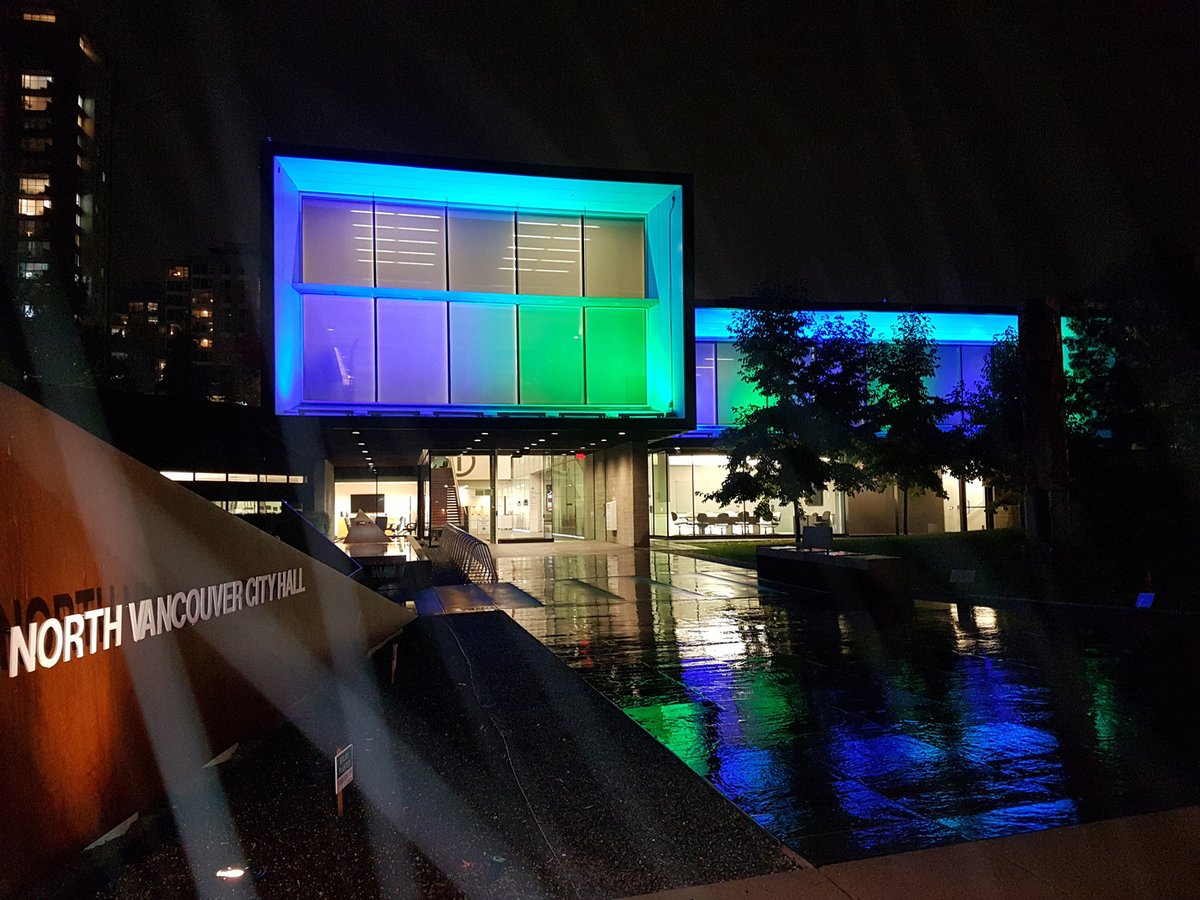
[851,733]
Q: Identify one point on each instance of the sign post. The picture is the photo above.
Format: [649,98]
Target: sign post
[343,772]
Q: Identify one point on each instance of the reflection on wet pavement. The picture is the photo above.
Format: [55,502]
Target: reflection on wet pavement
[849,733]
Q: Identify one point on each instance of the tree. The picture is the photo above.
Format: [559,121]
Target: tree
[911,449]
[1134,373]
[814,377]
[993,426]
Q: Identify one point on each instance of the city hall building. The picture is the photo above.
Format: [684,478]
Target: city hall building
[517,350]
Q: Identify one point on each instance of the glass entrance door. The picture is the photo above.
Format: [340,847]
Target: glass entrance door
[570,507]
[524,498]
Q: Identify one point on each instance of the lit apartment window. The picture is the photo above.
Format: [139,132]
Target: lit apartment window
[39,15]
[206,343]
[31,81]
[27,207]
[177,272]
[35,102]
[30,270]
[152,320]
[152,307]
[34,184]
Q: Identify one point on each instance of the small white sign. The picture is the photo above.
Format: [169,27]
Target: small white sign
[343,769]
[610,515]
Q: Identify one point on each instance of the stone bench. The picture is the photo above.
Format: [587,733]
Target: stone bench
[865,576]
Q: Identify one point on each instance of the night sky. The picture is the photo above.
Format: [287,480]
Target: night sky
[926,153]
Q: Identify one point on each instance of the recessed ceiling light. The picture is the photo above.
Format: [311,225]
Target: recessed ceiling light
[364,451]
[362,443]
[620,432]
[230,873]
[604,440]
[354,432]
[554,434]
[541,440]
[484,433]
[477,440]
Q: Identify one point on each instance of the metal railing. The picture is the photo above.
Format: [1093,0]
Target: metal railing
[468,554]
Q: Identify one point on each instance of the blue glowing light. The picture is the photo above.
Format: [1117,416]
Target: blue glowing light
[712,324]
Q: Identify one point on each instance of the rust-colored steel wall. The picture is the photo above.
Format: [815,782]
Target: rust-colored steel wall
[88,741]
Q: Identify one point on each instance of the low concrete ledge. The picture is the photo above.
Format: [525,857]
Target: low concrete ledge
[863,576]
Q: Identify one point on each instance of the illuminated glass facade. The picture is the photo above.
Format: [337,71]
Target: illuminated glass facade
[402,290]
[680,479]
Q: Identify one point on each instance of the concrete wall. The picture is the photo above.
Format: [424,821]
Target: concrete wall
[91,540]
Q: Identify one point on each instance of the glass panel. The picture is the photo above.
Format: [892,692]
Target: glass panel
[412,352]
[973,358]
[483,353]
[549,259]
[976,505]
[339,349]
[410,246]
[659,520]
[473,475]
[616,355]
[681,496]
[399,501]
[706,383]
[569,513]
[551,355]
[732,391]
[481,251]
[337,242]
[947,372]
[525,504]
[614,257]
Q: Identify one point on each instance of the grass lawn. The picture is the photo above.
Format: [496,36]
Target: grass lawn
[1004,564]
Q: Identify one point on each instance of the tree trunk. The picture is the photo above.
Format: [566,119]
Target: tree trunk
[796,522]
[905,509]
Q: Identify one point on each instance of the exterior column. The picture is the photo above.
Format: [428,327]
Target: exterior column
[1043,386]
[323,493]
[628,484]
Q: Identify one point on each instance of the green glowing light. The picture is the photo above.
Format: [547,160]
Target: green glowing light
[551,355]
[616,355]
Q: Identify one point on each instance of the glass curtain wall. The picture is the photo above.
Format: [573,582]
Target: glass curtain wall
[679,507]
[547,496]
[393,498]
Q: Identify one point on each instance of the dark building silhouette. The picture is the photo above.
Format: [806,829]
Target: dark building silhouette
[54,193]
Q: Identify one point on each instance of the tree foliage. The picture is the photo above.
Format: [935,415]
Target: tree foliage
[912,449]
[1134,369]
[815,378]
[993,421]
